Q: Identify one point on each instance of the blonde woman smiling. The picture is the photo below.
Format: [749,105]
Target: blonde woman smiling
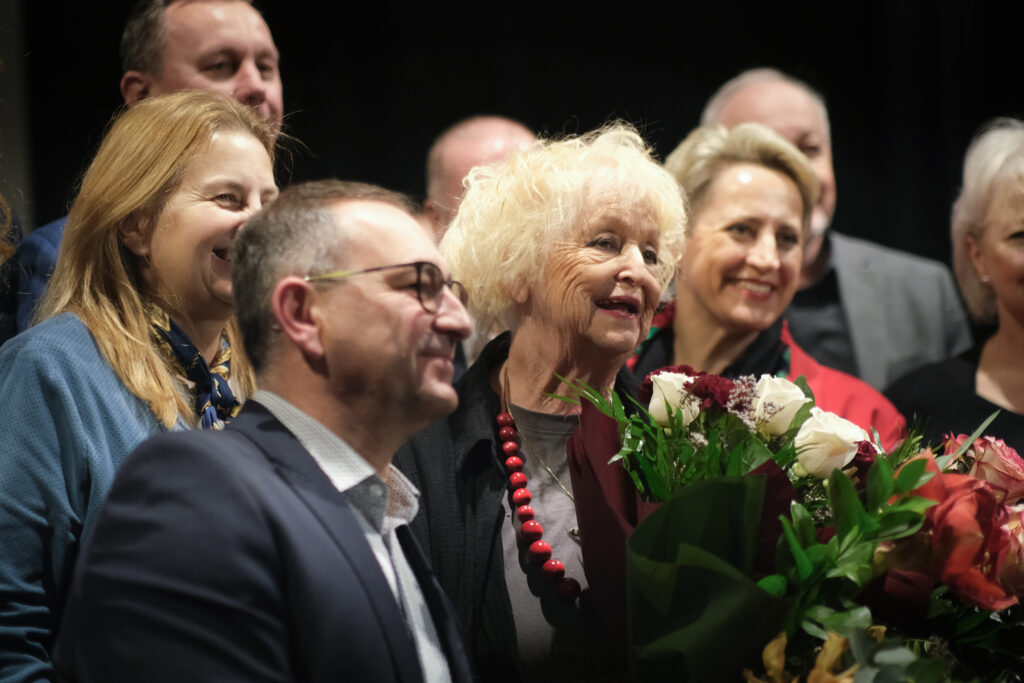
[136,337]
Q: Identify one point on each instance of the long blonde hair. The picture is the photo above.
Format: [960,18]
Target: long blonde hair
[139,165]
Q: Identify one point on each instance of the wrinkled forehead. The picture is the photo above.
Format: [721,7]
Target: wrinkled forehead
[612,193]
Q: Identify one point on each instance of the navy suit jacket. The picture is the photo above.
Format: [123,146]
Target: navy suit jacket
[33,265]
[231,557]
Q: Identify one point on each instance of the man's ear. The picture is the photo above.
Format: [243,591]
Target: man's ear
[135,87]
[433,215]
[295,306]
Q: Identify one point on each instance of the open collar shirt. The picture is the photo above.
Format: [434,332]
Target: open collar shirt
[381,507]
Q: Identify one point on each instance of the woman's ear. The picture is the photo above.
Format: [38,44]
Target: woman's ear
[974,253]
[520,292]
[134,237]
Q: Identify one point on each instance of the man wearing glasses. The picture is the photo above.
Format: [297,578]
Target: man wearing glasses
[278,549]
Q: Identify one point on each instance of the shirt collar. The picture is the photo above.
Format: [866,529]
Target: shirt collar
[384,504]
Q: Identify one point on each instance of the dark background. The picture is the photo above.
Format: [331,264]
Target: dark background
[369,85]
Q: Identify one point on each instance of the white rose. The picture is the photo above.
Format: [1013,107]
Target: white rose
[777,401]
[671,387]
[826,442]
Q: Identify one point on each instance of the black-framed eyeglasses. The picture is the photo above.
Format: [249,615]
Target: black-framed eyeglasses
[430,282]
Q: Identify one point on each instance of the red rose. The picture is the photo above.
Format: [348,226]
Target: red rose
[712,390]
[993,461]
[862,462]
[969,541]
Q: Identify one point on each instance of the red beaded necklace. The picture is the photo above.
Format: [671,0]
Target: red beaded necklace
[539,551]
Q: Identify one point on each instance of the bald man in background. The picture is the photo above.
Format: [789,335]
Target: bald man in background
[476,141]
[865,309]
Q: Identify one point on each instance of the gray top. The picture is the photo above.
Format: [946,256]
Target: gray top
[556,640]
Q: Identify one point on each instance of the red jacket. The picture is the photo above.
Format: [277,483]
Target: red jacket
[846,396]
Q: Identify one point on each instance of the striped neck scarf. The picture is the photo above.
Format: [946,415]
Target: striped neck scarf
[214,403]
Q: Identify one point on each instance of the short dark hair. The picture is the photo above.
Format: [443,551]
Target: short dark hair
[142,43]
[295,235]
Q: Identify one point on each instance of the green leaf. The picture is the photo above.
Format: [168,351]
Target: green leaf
[880,484]
[755,454]
[846,507]
[913,503]
[898,524]
[971,621]
[774,584]
[965,446]
[912,476]
[895,656]
[618,410]
[855,563]
[814,630]
[803,524]
[803,564]
[845,623]
[801,382]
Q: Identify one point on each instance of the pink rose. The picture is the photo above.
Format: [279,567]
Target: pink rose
[995,462]
[1012,574]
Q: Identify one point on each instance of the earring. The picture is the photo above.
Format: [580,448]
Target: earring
[986,280]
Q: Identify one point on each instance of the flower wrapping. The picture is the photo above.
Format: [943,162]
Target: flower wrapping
[689,565]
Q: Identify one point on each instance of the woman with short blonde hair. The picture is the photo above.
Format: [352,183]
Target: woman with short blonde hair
[751,196]
[134,337]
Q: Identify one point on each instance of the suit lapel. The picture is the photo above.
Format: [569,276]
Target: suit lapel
[298,468]
[445,621]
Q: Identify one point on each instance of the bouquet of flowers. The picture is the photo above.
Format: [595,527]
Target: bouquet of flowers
[789,546]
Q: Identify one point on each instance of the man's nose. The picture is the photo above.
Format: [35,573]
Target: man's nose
[452,316]
[249,86]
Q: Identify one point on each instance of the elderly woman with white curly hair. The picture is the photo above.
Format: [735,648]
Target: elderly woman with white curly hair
[988,257]
[567,245]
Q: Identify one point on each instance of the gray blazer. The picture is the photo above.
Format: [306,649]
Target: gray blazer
[903,311]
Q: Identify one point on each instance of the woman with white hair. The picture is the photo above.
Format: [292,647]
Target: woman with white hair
[988,256]
[567,245]
[751,195]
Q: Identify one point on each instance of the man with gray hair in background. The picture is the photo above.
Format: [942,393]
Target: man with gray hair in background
[865,309]
[170,45]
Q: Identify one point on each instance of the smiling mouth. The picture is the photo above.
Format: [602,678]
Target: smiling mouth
[755,287]
[621,305]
